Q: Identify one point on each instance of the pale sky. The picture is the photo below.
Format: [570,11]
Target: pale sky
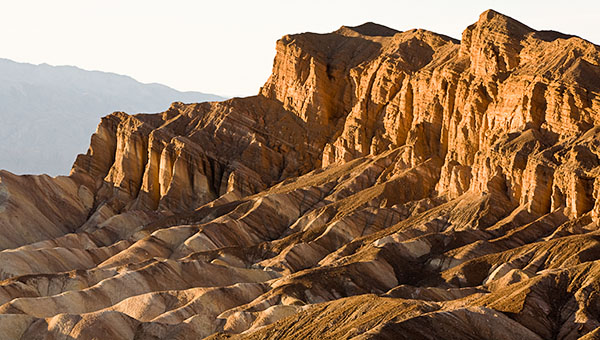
[227,47]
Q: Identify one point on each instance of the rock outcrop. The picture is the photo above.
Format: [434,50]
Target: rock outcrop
[382,184]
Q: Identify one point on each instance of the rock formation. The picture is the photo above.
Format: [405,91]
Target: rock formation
[382,184]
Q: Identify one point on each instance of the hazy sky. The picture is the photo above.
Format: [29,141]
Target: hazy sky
[227,47]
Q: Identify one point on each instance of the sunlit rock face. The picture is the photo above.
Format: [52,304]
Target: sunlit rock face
[382,184]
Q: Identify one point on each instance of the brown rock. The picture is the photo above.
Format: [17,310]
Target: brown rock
[383,184]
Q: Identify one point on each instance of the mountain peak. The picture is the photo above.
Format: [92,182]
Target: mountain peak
[493,43]
[370,29]
[498,21]
[490,14]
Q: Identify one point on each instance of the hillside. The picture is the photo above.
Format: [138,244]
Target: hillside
[381,185]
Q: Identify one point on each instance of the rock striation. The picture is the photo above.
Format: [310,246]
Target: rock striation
[382,184]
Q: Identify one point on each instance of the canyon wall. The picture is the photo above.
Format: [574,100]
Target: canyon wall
[381,181]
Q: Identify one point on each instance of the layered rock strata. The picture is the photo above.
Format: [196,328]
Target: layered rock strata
[382,184]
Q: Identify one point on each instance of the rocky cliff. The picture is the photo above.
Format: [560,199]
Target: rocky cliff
[382,184]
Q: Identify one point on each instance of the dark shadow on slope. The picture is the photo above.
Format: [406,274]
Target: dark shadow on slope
[373,30]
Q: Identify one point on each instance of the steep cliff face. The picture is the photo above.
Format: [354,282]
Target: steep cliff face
[505,90]
[455,100]
[393,184]
[192,154]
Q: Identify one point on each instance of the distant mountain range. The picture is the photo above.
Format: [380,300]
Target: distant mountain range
[48,113]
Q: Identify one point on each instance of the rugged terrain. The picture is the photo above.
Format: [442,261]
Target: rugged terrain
[382,184]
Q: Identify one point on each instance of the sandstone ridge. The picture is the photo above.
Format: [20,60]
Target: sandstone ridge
[382,184]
